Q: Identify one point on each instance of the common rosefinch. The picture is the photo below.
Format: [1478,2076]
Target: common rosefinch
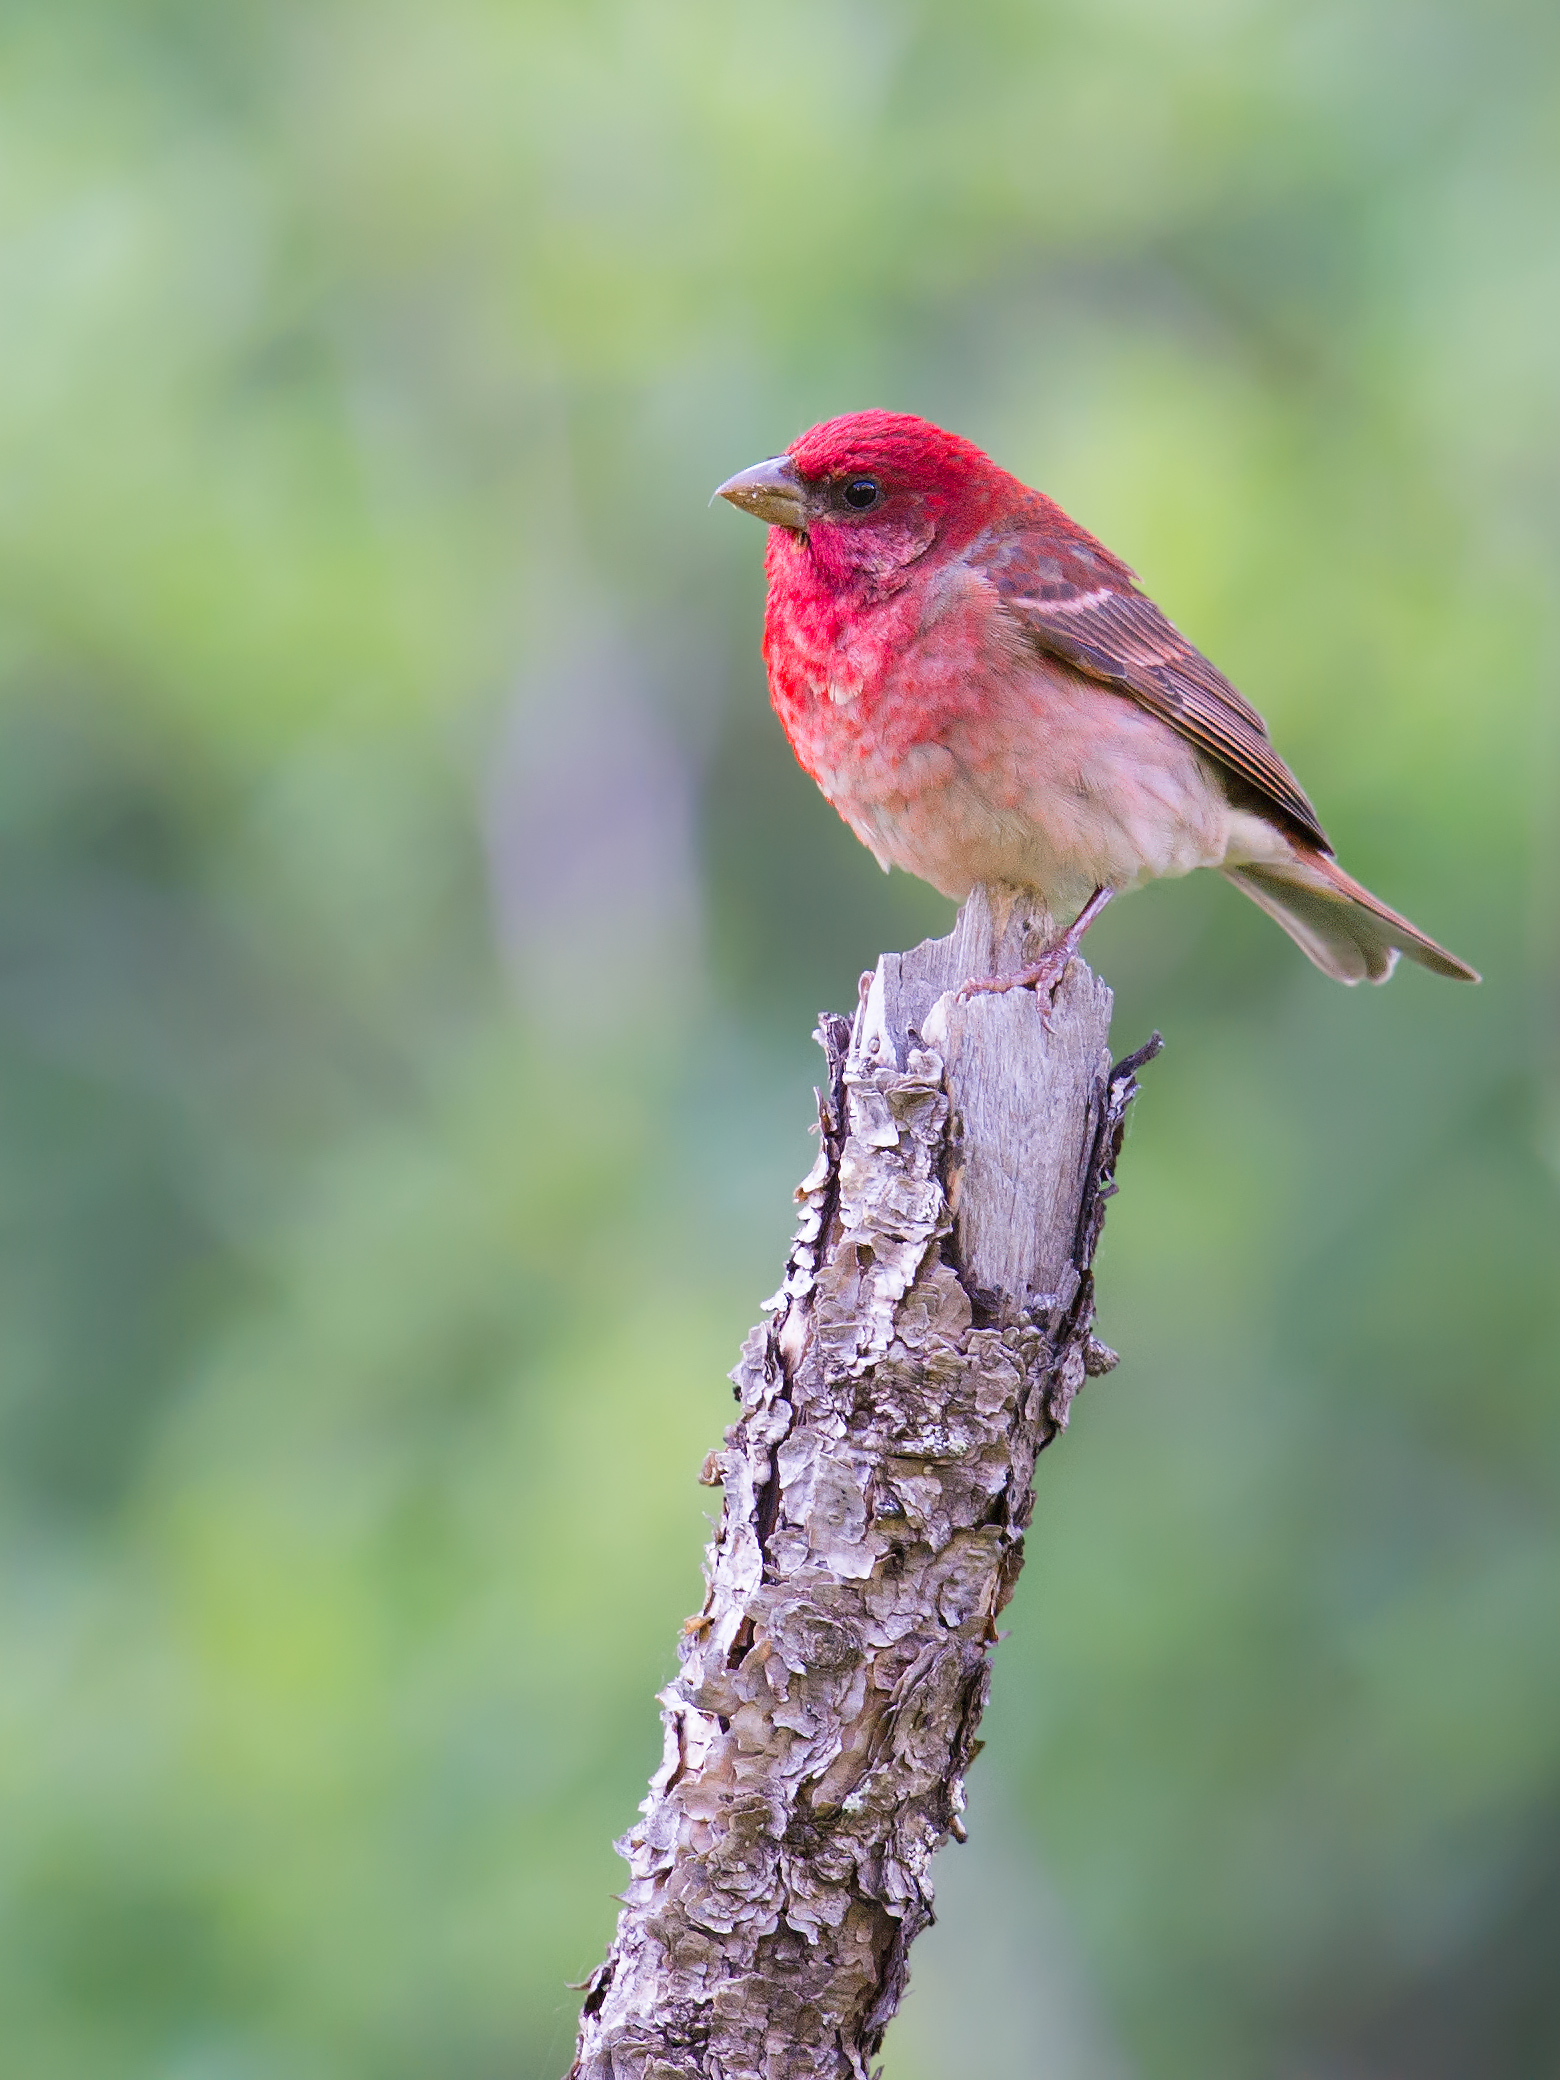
[983,693]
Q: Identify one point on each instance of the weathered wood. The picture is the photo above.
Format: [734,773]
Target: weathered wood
[926,1343]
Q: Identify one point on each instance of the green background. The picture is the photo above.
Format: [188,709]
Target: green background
[411,923]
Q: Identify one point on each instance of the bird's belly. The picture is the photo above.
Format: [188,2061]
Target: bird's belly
[952,834]
[1053,783]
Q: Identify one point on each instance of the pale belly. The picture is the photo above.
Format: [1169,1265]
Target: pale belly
[1059,785]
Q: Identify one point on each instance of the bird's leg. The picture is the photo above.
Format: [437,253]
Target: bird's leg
[1043,975]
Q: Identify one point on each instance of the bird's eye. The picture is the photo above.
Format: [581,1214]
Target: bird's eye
[861,494]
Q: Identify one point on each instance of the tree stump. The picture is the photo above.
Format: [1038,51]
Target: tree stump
[932,1328]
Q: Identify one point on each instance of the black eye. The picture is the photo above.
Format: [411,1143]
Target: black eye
[861,494]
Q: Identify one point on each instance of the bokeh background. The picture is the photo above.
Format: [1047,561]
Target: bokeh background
[411,924]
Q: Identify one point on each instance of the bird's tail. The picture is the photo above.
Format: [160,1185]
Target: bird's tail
[1337,923]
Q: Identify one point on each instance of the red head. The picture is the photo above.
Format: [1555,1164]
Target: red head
[864,497]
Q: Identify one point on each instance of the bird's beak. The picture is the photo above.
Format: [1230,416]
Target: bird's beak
[771,491]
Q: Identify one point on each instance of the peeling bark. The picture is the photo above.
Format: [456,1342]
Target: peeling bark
[926,1343]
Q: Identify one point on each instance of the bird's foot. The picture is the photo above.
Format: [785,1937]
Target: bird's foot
[1044,974]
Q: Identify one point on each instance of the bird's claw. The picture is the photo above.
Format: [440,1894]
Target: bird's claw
[1042,976]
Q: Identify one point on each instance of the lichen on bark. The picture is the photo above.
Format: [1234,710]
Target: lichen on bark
[932,1328]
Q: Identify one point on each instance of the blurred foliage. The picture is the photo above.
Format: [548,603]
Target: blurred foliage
[411,922]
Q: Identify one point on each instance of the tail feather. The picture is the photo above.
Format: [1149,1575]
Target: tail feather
[1339,925]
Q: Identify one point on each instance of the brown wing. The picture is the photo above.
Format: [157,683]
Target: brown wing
[1078,602]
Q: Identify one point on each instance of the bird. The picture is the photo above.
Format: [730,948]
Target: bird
[985,694]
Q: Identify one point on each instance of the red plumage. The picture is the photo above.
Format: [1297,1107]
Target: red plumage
[983,692]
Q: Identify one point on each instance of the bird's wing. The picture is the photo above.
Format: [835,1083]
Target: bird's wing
[1078,602]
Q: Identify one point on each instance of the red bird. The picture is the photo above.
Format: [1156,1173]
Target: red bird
[983,693]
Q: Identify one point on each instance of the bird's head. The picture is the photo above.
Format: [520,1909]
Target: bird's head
[864,497]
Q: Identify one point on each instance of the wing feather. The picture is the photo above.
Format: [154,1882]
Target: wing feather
[1077,601]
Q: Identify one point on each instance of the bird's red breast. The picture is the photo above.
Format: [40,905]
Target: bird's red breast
[853,600]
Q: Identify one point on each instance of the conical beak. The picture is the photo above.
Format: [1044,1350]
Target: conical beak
[771,491]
